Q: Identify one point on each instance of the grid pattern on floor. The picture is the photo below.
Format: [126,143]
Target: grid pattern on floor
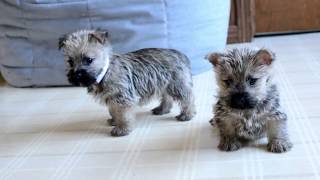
[61,133]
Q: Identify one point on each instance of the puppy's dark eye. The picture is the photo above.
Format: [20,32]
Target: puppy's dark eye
[70,62]
[228,82]
[88,60]
[252,81]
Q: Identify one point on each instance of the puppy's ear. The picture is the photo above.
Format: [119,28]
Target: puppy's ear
[62,41]
[214,58]
[99,36]
[265,57]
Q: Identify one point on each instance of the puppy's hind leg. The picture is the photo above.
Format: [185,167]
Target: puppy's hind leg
[188,109]
[183,94]
[165,106]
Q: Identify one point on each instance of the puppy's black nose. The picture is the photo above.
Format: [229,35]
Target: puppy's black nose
[83,77]
[72,78]
[79,73]
[241,101]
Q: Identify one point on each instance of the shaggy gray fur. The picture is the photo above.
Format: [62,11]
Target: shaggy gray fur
[132,79]
[248,105]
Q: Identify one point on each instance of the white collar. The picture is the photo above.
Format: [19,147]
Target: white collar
[102,73]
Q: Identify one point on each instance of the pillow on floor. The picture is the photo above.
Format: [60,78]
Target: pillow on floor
[31,28]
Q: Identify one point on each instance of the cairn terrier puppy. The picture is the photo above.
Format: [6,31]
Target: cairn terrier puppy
[248,101]
[124,81]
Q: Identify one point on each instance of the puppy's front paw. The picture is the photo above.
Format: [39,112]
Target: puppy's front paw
[229,144]
[119,131]
[160,111]
[184,117]
[111,122]
[279,145]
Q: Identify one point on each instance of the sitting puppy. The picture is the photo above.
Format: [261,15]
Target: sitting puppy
[248,102]
[124,81]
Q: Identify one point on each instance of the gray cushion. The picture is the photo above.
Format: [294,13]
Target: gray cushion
[29,32]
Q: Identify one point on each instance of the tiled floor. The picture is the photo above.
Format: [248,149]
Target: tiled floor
[61,133]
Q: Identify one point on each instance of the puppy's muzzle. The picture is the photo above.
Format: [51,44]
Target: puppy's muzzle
[242,101]
[80,78]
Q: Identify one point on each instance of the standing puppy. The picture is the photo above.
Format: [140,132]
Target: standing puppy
[248,106]
[124,81]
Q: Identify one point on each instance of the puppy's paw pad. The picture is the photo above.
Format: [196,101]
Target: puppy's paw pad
[184,117]
[229,146]
[119,131]
[111,122]
[160,111]
[279,145]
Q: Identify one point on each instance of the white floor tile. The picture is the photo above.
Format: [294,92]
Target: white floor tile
[61,133]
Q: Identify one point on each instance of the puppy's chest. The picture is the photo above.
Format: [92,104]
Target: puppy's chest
[249,126]
[101,94]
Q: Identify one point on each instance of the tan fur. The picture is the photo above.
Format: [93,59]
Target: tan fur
[131,79]
[248,105]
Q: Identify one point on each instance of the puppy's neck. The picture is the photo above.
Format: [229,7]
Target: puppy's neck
[102,76]
[103,72]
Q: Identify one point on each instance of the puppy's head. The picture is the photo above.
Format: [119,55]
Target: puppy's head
[86,53]
[243,76]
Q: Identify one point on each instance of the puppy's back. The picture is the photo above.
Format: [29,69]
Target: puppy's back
[161,55]
[151,70]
